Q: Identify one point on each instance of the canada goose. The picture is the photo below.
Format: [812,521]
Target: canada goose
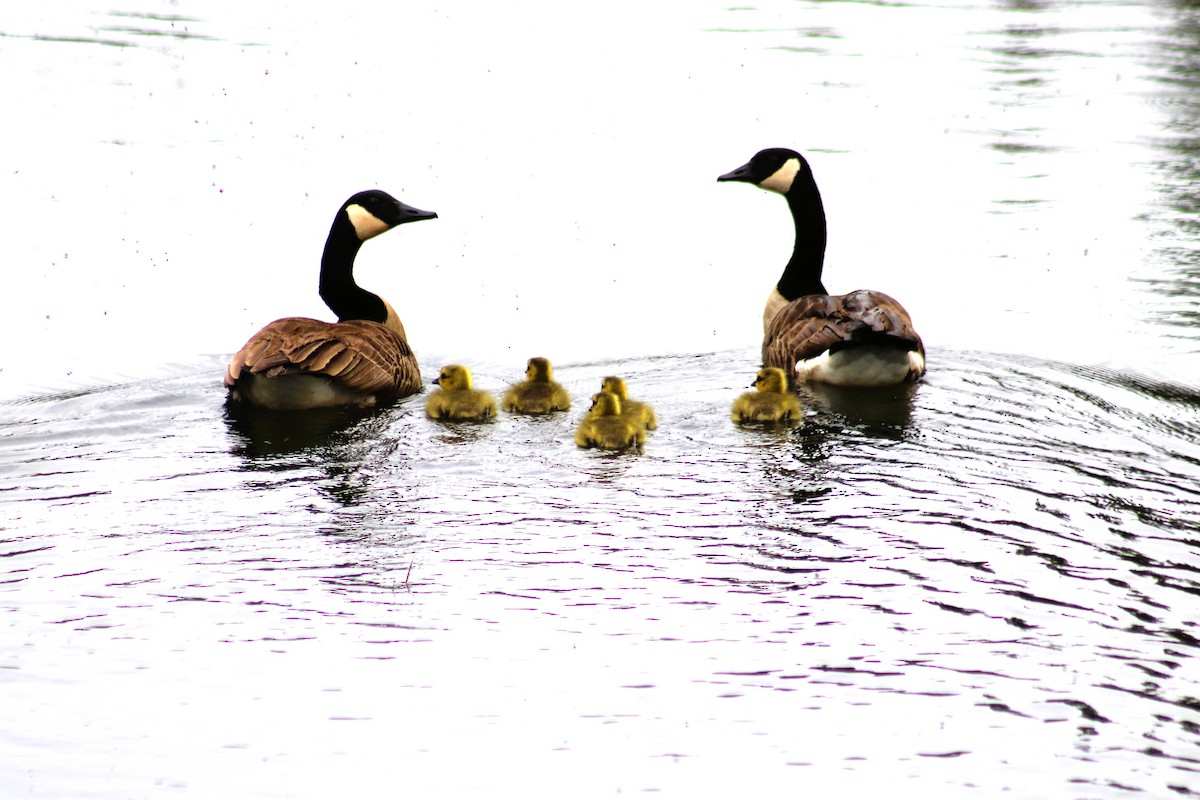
[771,403]
[455,399]
[538,393]
[363,358]
[606,428]
[864,338]
[630,409]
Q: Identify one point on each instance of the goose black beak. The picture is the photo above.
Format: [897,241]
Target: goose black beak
[742,173]
[410,214]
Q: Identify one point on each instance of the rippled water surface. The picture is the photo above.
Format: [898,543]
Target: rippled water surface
[985,585]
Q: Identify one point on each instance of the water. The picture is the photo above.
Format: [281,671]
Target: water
[985,586]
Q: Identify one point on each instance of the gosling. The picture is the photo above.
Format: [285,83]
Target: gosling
[604,426]
[538,393]
[771,403]
[456,400]
[637,412]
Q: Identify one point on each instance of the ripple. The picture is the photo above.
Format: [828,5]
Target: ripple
[1013,537]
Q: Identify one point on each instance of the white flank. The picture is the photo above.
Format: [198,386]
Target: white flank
[861,366]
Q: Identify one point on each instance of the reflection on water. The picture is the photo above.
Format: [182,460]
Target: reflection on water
[1036,56]
[1027,62]
[1177,73]
[454,433]
[885,412]
[263,437]
[1000,556]
[113,28]
[169,25]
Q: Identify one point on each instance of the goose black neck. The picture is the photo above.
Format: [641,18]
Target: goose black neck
[802,275]
[339,291]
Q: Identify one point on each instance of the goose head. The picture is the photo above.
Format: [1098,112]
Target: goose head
[372,212]
[773,169]
[454,377]
[364,216]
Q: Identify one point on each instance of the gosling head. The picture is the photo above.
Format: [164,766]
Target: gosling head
[454,377]
[773,169]
[606,404]
[539,369]
[372,212]
[771,379]
[616,386]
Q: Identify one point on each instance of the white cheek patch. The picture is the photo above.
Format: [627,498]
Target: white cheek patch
[781,179]
[365,223]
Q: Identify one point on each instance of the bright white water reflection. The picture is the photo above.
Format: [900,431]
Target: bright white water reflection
[985,587]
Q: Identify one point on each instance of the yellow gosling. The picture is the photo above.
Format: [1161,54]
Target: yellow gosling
[771,403]
[538,393]
[456,400]
[604,426]
[640,413]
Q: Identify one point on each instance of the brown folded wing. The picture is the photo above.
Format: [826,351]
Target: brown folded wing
[361,356]
[810,325]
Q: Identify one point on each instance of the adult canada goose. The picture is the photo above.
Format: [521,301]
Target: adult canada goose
[538,393]
[606,428]
[635,410]
[771,403]
[864,338]
[363,358]
[455,398]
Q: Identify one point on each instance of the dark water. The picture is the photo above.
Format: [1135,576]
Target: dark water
[982,586]
[988,584]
